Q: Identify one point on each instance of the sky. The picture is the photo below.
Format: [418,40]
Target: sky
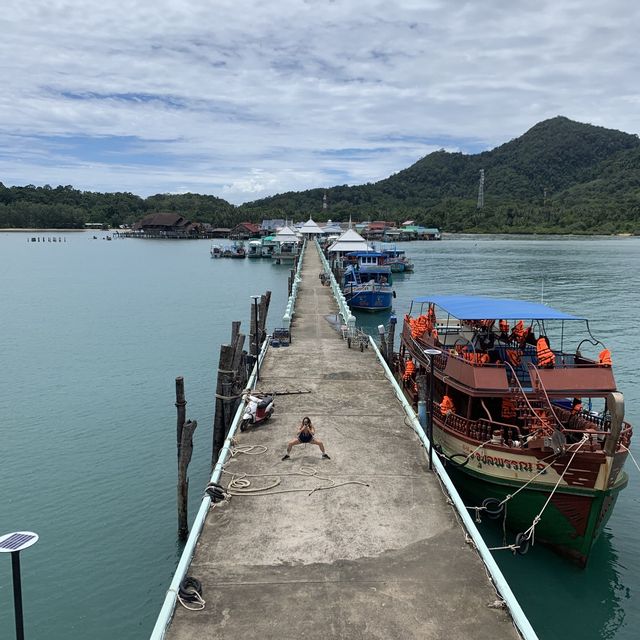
[244,99]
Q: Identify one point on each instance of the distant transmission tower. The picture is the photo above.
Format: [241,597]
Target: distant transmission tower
[481,190]
[325,204]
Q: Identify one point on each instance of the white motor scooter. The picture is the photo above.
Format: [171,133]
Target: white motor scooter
[259,409]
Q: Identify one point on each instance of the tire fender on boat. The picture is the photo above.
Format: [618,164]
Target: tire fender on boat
[523,543]
[493,508]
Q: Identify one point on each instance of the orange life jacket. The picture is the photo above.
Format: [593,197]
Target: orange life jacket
[514,356]
[408,370]
[508,408]
[546,358]
[518,331]
[446,405]
[503,325]
[604,359]
[483,358]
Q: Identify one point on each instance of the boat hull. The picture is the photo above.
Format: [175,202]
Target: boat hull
[369,300]
[582,501]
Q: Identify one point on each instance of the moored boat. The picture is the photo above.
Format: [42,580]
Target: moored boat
[532,432]
[397,260]
[367,282]
[254,249]
[236,250]
[215,251]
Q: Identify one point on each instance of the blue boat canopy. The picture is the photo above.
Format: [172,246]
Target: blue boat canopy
[366,254]
[479,308]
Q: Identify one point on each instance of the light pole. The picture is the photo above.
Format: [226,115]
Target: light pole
[14,543]
[432,353]
[255,335]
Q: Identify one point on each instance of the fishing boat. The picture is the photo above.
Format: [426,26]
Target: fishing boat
[236,250]
[532,431]
[367,281]
[216,251]
[254,249]
[269,245]
[397,260]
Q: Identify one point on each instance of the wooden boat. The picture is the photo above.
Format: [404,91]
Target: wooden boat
[532,436]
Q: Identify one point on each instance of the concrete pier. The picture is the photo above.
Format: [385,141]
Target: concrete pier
[382,557]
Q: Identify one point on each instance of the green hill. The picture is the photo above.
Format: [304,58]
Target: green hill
[561,176]
[590,175]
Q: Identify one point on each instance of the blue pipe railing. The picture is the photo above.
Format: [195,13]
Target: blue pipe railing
[291,303]
[343,308]
[502,586]
[169,604]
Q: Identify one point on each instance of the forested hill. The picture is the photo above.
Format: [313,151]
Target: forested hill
[560,176]
[590,175]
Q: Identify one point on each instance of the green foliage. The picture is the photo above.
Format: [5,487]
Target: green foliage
[559,177]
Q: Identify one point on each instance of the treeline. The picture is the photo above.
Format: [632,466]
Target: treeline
[559,177]
[68,208]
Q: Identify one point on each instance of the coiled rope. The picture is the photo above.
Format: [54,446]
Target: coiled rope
[240,485]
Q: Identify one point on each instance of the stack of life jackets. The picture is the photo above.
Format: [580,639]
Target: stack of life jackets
[518,332]
[546,357]
[418,326]
[408,370]
[503,326]
[476,357]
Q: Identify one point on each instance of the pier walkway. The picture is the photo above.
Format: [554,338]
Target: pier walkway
[384,558]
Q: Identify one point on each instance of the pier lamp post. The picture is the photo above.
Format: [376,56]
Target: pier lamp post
[432,353]
[14,543]
[255,335]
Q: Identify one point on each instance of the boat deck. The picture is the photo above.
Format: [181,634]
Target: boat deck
[384,558]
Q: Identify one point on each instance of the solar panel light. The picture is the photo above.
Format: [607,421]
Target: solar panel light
[14,543]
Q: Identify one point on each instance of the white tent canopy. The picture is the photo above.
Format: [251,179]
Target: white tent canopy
[286,234]
[310,228]
[350,240]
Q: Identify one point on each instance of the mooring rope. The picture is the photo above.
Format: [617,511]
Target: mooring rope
[530,532]
[631,454]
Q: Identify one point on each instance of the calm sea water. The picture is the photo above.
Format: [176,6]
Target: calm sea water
[94,334]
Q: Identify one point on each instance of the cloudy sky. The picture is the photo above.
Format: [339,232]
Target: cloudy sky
[243,99]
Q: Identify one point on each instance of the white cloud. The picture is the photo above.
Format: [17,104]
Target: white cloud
[243,100]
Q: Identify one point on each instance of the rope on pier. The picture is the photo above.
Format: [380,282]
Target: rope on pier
[240,485]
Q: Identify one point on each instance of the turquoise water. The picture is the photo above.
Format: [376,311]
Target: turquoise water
[589,277]
[94,334]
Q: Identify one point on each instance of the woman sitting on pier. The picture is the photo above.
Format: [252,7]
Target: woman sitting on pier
[306,434]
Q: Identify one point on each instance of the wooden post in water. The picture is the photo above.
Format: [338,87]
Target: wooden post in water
[225,375]
[181,405]
[186,449]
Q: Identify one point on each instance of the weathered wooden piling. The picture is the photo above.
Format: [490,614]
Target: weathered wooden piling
[184,436]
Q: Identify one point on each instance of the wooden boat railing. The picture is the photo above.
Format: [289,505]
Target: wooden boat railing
[482,430]
[566,377]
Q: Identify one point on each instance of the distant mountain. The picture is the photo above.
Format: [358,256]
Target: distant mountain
[560,176]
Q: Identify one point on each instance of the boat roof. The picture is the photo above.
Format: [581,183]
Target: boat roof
[479,308]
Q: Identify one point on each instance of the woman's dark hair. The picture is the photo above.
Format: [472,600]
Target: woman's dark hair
[306,419]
